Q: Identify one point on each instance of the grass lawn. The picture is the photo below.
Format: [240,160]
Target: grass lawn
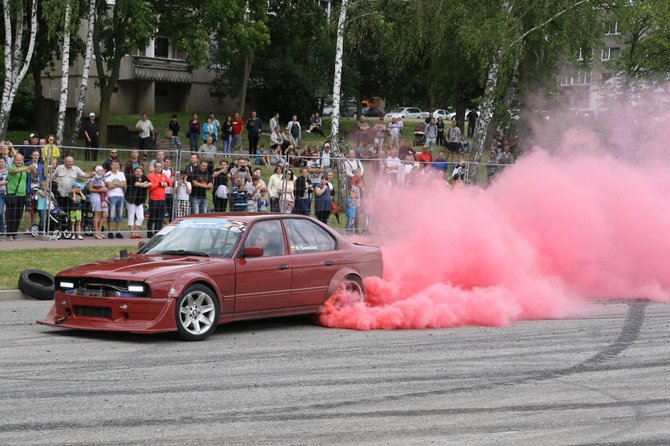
[52,260]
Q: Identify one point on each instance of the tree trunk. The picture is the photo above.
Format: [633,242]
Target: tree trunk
[83,87]
[337,93]
[40,124]
[337,78]
[62,103]
[248,62]
[16,63]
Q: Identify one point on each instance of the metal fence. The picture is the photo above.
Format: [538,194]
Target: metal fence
[384,174]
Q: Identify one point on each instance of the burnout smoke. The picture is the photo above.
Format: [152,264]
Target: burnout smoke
[588,219]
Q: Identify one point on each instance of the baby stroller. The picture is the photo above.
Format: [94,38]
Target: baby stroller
[59,225]
[420,134]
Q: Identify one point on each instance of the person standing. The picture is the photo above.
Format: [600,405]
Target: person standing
[394,130]
[221,186]
[65,174]
[169,191]
[159,182]
[99,202]
[254,129]
[295,130]
[4,176]
[183,188]
[132,164]
[217,125]
[50,150]
[303,192]
[453,139]
[146,129]
[209,130]
[323,203]
[431,134]
[136,197]
[274,184]
[116,184]
[15,197]
[439,125]
[194,132]
[274,123]
[173,126]
[92,135]
[113,156]
[237,129]
[473,117]
[201,182]
[227,134]
[207,152]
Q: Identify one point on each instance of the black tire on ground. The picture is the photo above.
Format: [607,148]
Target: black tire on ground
[37,284]
[197,313]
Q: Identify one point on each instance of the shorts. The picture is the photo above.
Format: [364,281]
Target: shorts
[454,147]
[75,215]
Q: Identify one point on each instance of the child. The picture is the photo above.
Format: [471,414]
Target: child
[264,200]
[240,195]
[351,210]
[183,196]
[76,198]
[43,205]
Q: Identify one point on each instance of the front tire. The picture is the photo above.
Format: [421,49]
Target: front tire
[197,313]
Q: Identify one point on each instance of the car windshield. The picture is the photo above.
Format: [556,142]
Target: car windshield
[205,237]
[398,110]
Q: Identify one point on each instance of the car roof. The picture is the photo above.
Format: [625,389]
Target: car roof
[247,217]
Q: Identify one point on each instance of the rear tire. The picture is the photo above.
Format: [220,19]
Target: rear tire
[197,313]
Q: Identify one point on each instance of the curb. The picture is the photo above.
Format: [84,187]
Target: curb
[13,295]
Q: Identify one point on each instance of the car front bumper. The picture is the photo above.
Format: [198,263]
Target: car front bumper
[124,314]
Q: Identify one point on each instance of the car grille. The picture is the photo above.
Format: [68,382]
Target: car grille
[97,287]
[101,312]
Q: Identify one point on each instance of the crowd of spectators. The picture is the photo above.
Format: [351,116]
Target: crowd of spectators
[146,185]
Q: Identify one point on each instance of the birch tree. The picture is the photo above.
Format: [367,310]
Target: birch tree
[65,73]
[337,96]
[16,57]
[83,86]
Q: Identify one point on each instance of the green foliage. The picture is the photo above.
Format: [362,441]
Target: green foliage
[23,117]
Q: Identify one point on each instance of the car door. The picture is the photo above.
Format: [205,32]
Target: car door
[263,283]
[314,259]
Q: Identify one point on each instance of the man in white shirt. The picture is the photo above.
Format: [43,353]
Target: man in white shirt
[66,174]
[394,132]
[146,129]
[326,157]
[115,181]
[352,166]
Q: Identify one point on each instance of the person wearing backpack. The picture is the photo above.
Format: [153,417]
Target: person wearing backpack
[295,130]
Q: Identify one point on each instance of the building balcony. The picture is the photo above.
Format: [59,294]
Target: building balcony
[142,68]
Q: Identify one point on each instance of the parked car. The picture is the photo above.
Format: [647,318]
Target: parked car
[203,270]
[372,112]
[347,108]
[407,113]
[441,113]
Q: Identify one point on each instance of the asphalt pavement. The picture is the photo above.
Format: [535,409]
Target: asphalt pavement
[601,378]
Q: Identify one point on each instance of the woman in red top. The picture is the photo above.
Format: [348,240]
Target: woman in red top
[159,182]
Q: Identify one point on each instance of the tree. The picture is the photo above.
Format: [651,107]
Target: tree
[62,103]
[83,86]
[119,29]
[16,56]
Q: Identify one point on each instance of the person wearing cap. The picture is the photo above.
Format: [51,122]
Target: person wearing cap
[263,202]
[99,201]
[91,135]
[76,199]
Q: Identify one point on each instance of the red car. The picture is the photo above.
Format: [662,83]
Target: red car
[203,270]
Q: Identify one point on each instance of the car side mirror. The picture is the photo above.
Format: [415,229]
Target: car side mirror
[141,244]
[253,251]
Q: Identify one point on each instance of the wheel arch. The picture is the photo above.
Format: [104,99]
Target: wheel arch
[342,274]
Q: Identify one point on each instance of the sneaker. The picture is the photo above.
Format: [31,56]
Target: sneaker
[110,235]
[119,235]
[80,237]
[150,234]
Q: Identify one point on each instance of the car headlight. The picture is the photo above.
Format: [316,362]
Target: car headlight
[66,285]
[136,288]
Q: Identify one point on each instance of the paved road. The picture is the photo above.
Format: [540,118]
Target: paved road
[599,379]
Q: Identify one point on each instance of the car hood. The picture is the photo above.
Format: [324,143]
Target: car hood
[136,267]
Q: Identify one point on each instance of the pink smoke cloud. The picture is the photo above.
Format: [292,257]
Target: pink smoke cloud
[580,222]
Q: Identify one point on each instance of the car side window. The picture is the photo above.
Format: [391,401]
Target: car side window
[305,236]
[269,236]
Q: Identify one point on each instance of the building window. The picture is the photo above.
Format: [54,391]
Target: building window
[611,53]
[612,28]
[584,77]
[162,47]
